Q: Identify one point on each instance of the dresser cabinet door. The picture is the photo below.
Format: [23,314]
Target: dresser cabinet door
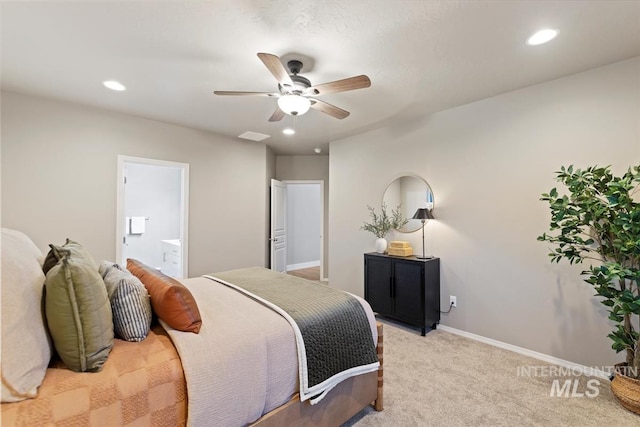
[378,284]
[408,291]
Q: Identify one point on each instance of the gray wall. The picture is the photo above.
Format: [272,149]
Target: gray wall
[303,223]
[152,192]
[487,164]
[59,167]
[314,167]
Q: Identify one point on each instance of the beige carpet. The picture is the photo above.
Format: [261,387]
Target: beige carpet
[448,380]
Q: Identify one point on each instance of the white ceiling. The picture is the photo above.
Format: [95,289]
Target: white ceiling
[421,56]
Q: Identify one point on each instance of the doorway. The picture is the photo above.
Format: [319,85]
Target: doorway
[152,214]
[297,228]
[305,228]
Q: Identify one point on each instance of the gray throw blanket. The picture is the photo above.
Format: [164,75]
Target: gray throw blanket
[333,334]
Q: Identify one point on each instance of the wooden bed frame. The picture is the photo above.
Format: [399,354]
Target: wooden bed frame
[343,402]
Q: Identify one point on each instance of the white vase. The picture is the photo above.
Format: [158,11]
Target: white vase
[381,245]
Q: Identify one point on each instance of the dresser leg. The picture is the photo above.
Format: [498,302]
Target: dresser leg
[424,331]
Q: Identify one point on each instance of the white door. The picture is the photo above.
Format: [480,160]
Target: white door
[152,214]
[278,234]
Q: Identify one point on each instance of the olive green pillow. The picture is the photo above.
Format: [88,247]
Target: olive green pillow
[76,249]
[78,312]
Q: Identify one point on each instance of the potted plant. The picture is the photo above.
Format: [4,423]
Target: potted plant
[381,224]
[598,220]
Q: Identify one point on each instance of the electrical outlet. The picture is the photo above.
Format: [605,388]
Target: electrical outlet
[453,302]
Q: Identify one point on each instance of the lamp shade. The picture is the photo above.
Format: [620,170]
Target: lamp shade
[423,213]
[294,105]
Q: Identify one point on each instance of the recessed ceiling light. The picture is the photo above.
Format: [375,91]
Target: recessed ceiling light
[114,85]
[542,37]
[288,131]
[318,150]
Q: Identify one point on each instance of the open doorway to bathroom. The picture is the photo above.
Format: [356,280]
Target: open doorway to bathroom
[152,212]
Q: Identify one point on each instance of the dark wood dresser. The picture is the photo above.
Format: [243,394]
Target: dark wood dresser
[403,288]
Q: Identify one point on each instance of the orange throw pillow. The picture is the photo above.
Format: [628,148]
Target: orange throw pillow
[170,299]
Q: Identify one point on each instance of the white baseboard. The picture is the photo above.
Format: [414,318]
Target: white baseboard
[526,352]
[302,265]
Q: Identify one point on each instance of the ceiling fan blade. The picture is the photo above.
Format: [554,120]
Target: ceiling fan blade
[329,109]
[357,82]
[277,115]
[236,93]
[273,64]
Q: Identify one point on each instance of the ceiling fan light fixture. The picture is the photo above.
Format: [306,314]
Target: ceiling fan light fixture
[294,105]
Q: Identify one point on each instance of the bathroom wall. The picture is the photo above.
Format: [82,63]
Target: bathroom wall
[152,192]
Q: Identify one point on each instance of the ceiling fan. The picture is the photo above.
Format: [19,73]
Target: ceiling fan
[296,94]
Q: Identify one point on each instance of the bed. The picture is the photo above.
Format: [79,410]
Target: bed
[152,383]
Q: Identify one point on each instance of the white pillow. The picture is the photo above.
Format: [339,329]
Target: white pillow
[26,346]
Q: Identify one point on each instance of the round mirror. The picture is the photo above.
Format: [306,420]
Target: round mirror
[410,193]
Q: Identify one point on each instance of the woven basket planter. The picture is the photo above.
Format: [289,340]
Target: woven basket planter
[626,389]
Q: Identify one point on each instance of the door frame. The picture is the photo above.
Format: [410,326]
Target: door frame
[322,230]
[184,205]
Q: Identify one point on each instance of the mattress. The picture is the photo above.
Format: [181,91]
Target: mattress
[248,369]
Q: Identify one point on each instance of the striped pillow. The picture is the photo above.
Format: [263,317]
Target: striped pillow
[130,302]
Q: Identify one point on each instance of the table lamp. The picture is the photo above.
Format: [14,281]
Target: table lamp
[423,214]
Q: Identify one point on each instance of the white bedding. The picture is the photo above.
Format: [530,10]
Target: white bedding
[243,363]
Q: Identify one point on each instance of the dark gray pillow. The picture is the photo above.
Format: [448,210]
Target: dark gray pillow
[130,302]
